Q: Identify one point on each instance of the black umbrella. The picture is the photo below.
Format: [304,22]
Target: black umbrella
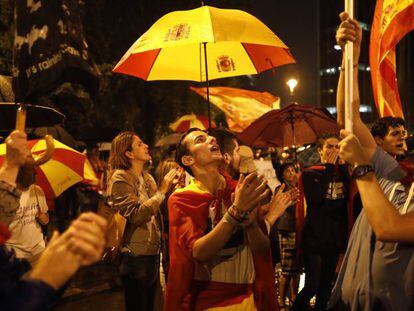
[58,133]
[37,116]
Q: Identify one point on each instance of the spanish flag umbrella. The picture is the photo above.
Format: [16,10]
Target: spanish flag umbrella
[64,169]
[204,44]
[188,121]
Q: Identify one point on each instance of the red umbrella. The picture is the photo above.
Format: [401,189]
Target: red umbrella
[292,125]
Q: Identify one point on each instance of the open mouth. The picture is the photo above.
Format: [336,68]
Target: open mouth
[399,146]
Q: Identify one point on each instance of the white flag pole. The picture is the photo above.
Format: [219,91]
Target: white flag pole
[349,73]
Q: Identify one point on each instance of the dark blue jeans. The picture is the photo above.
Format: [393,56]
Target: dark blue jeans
[140,277]
[320,272]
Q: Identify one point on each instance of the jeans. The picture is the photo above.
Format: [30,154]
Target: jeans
[140,277]
[320,272]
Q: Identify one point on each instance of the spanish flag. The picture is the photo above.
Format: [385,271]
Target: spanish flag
[240,106]
[393,19]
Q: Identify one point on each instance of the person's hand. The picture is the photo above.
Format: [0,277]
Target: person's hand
[349,30]
[280,202]
[249,192]
[332,157]
[170,180]
[17,149]
[86,237]
[57,264]
[351,150]
[82,244]
[179,181]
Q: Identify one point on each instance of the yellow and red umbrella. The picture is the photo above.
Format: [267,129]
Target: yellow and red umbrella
[204,44]
[188,121]
[64,169]
[89,175]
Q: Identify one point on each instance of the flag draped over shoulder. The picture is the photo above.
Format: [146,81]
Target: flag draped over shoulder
[49,48]
[393,19]
[241,107]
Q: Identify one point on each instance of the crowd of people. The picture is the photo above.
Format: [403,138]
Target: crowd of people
[217,233]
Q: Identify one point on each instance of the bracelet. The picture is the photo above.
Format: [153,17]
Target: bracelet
[231,220]
[238,215]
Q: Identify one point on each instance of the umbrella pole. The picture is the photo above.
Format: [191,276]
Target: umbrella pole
[207,85]
[292,125]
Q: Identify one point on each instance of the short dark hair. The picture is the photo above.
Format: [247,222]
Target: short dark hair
[380,126]
[321,140]
[225,139]
[280,170]
[182,149]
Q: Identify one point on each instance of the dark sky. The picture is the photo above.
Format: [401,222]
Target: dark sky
[295,22]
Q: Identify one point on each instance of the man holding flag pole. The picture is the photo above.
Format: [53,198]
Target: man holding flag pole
[375,274]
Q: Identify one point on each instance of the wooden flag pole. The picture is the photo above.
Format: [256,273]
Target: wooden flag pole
[349,72]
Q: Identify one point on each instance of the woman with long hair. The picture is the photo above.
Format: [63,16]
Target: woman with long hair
[135,195]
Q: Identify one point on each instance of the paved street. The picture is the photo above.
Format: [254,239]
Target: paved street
[111,300]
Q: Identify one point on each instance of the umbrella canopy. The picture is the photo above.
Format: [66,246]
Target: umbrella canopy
[188,121]
[37,116]
[64,169]
[89,175]
[169,140]
[237,44]
[204,44]
[292,125]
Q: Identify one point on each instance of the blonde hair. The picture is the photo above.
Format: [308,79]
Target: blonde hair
[120,144]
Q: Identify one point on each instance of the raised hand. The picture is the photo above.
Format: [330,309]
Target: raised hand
[170,180]
[249,192]
[87,237]
[349,30]
[82,244]
[280,202]
[351,150]
[17,149]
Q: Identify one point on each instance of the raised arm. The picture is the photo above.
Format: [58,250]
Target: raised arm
[386,222]
[249,193]
[349,30]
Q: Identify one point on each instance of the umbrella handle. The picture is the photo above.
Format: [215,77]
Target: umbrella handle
[21,119]
[50,145]
[47,154]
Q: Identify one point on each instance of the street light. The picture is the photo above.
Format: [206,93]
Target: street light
[292,84]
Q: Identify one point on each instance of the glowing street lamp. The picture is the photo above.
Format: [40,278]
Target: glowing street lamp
[292,84]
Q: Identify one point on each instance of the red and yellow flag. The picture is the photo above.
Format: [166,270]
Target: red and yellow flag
[241,107]
[393,19]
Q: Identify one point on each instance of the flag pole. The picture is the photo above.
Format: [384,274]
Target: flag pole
[349,72]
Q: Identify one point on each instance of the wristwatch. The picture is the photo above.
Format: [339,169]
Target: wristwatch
[359,171]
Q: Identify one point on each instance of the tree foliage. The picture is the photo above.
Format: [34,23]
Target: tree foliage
[123,103]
